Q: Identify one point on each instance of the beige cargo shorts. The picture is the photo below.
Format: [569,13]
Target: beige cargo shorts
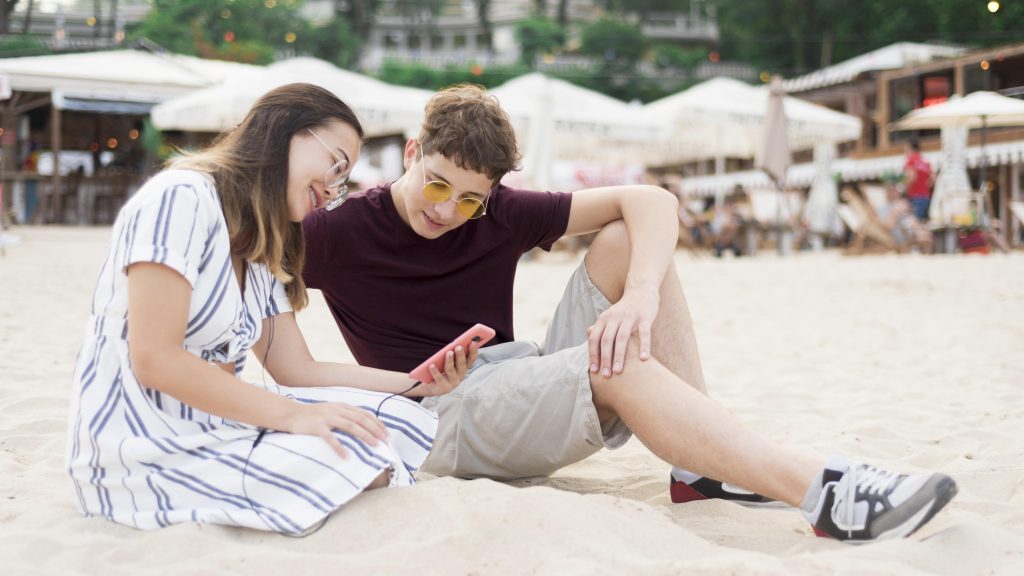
[524,410]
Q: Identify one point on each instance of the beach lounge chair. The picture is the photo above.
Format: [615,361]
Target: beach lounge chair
[777,213]
[862,220]
[1017,210]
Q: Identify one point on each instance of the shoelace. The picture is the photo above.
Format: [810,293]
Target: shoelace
[860,478]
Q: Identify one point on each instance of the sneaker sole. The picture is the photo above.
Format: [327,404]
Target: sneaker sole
[681,493]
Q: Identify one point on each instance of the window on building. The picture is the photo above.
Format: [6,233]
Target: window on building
[902,99]
[459,41]
[936,89]
[975,78]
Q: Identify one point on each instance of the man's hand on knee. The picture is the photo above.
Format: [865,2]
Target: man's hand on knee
[625,324]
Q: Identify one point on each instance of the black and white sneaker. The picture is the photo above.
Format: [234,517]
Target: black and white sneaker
[687,487]
[866,504]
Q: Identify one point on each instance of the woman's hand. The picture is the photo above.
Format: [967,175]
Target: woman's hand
[322,418]
[456,364]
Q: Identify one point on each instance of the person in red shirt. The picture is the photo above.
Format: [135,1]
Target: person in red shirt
[917,179]
[407,266]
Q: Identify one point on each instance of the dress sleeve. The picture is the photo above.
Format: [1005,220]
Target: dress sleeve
[278,302]
[173,226]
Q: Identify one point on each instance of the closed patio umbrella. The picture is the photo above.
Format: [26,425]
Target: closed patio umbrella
[819,211]
[774,156]
[952,181]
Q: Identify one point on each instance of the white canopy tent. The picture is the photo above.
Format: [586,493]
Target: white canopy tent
[381,107]
[119,82]
[107,79]
[724,118]
[559,121]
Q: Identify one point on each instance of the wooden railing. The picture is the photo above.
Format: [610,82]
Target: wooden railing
[78,199]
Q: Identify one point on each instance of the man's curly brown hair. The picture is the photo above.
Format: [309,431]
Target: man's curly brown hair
[469,128]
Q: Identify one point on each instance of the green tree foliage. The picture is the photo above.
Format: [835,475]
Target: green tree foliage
[617,42]
[15,46]
[422,76]
[334,42]
[796,36]
[670,56]
[242,30]
[536,36]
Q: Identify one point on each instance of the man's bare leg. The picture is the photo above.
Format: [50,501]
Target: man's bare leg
[673,341]
[689,430]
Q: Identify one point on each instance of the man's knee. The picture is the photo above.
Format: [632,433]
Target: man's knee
[611,242]
[608,259]
[609,392]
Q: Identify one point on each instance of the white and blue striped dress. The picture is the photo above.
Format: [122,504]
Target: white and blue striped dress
[142,458]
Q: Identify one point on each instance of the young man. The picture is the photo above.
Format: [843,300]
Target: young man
[407,267]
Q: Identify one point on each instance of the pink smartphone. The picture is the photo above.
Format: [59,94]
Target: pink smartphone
[478,333]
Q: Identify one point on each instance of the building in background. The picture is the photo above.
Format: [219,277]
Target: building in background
[456,34]
[72,26]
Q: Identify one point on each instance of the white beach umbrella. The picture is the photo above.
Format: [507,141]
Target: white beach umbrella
[381,107]
[558,120]
[976,110]
[723,118]
[980,109]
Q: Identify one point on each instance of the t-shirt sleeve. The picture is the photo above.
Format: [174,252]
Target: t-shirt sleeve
[540,217]
[169,226]
[314,235]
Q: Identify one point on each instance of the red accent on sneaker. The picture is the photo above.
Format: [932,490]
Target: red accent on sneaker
[821,533]
[681,492]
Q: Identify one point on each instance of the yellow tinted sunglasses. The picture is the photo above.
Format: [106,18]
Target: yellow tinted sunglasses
[436,192]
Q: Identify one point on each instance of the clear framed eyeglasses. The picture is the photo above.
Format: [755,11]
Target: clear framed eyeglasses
[336,177]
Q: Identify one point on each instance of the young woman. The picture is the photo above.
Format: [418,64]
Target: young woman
[205,265]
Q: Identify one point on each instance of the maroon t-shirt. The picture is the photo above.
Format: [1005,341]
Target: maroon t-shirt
[398,297]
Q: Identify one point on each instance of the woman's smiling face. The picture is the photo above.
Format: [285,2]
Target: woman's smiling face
[313,164]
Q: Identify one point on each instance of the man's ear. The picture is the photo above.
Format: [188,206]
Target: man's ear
[411,147]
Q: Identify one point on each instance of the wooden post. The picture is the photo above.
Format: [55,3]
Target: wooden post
[1015,194]
[882,112]
[1004,215]
[55,146]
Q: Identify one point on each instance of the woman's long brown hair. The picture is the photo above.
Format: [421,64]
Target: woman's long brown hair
[249,165]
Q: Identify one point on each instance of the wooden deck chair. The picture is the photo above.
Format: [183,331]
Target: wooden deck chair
[1017,209]
[777,212]
[5,238]
[863,222]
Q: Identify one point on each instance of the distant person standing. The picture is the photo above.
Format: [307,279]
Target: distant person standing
[917,178]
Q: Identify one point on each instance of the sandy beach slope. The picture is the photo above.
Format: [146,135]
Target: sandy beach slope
[914,362]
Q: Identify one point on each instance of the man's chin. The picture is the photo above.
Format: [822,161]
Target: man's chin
[429,234]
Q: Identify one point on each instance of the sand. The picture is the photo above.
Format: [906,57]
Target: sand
[911,362]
